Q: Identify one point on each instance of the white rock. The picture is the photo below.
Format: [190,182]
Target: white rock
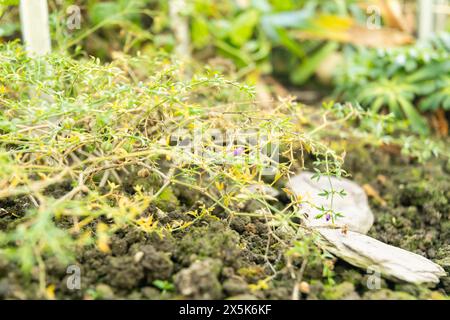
[263,189]
[393,263]
[354,206]
[138,256]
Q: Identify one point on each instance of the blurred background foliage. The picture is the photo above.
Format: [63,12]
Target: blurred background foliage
[362,51]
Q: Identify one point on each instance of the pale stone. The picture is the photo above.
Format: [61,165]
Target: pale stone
[267,191]
[367,253]
[354,207]
[138,256]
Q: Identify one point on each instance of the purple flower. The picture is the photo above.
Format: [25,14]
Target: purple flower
[328,217]
[238,151]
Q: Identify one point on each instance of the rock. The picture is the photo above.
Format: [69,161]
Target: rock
[316,288]
[157,265]
[104,291]
[122,272]
[248,194]
[304,287]
[235,286]
[392,262]
[200,280]
[138,256]
[150,293]
[119,247]
[267,191]
[354,206]
[4,288]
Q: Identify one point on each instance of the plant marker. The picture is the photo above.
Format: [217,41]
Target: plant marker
[180,28]
[35,26]
[426,18]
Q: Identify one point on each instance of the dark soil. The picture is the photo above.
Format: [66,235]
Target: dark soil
[218,258]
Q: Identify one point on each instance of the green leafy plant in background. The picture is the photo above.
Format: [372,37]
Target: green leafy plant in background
[404,81]
[8,26]
[105,26]
[257,35]
[252,32]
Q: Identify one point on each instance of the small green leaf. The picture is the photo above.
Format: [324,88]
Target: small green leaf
[200,33]
[307,68]
[243,27]
[417,122]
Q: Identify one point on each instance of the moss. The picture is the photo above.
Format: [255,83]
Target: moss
[252,273]
[235,286]
[418,291]
[104,291]
[386,294]
[424,192]
[167,200]
[343,291]
[445,227]
[435,295]
[350,275]
[200,280]
[122,272]
[243,297]
[157,265]
[213,241]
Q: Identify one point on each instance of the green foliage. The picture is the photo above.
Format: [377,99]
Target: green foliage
[38,237]
[164,285]
[404,80]
[251,34]
[9,2]
[308,250]
[115,11]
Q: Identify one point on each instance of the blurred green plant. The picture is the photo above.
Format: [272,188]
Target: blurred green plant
[259,36]
[9,25]
[254,33]
[403,80]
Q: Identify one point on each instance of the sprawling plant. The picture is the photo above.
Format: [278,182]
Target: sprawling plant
[87,149]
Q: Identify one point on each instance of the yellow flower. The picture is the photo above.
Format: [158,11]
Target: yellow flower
[50,292]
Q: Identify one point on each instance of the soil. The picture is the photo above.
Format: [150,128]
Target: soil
[218,258]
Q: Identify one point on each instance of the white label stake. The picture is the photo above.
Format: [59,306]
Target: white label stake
[35,26]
